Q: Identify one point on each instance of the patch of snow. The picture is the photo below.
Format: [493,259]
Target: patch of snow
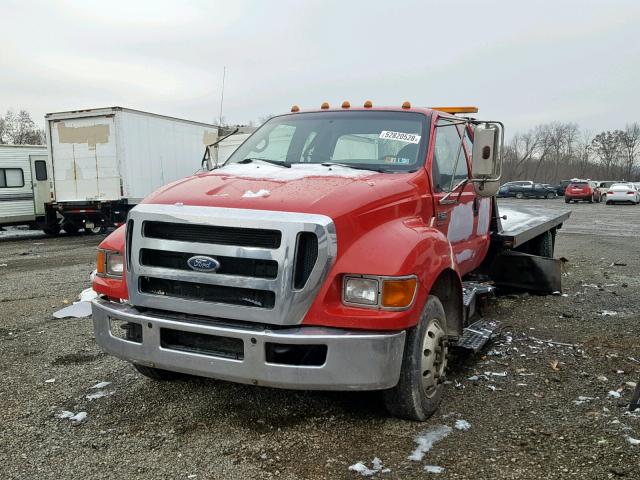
[362,469]
[462,425]
[65,414]
[298,171]
[50,380]
[608,313]
[633,441]
[495,374]
[433,469]
[88,294]
[77,310]
[101,385]
[427,439]
[100,394]
[614,394]
[258,194]
[79,417]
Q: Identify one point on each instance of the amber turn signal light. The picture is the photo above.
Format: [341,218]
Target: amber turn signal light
[398,293]
[325,106]
[295,109]
[101,262]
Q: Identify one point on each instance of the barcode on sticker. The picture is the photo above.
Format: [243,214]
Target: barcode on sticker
[402,137]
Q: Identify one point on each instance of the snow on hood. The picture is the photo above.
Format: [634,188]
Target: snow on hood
[265,171]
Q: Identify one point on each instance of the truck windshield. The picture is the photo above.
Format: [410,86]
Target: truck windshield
[376,140]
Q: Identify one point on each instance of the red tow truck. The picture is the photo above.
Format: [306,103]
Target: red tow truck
[332,251]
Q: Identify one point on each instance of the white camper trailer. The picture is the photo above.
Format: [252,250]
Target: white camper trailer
[106,160]
[25,185]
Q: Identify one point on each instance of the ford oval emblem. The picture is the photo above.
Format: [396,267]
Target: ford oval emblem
[202,263]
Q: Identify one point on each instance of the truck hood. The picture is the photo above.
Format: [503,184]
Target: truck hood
[333,191]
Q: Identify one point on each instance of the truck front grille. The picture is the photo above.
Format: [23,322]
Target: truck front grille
[187,232]
[246,267]
[203,292]
[268,269]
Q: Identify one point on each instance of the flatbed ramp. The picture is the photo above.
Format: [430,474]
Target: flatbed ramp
[520,223]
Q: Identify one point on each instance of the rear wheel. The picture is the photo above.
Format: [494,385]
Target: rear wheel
[70,228]
[550,195]
[566,200]
[519,195]
[419,390]
[542,245]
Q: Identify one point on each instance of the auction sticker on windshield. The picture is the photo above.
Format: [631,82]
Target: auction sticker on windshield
[402,137]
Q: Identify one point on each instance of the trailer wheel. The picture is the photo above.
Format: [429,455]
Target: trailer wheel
[419,390]
[51,230]
[70,228]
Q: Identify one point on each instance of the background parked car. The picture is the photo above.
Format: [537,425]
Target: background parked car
[623,193]
[581,190]
[536,190]
[561,187]
[603,187]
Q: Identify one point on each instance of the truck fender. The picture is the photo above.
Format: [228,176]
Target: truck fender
[409,247]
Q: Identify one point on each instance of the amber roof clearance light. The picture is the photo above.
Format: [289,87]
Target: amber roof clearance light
[325,106]
[368,104]
[346,104]
[295,109]
[406,105]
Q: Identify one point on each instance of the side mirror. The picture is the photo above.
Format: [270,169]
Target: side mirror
[487,158]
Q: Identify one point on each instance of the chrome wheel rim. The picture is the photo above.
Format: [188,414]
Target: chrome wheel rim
[434,358]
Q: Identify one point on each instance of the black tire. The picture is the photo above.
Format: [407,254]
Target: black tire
[51,230]
[70,228]
[409,399]
[519,196]
[590,199]
[157,373]
[550,196]
[545,245]
[609,203]
[566,200]
[97,230]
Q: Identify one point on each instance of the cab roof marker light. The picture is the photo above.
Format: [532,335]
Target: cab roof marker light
[454,110]
[295,109]
[368,104]
[406,105]
[346,104]
[325,106]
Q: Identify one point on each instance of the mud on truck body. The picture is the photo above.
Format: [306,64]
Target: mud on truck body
[328,253]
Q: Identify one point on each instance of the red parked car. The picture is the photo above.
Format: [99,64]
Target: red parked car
[581,190]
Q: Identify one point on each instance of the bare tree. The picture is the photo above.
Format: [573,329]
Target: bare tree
[630,145]
[607,146]
[20,129]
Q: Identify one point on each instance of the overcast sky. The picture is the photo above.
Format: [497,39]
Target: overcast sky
[520,62]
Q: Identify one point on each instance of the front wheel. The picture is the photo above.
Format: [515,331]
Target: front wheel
[419,390]
[519,196]
[550,196]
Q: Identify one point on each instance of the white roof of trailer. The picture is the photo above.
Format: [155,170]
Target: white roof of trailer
[93,112]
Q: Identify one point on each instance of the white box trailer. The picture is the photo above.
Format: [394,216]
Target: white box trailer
[106,160]
[25,184]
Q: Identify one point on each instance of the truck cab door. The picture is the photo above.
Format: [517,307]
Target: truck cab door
[457,211]
[39,183]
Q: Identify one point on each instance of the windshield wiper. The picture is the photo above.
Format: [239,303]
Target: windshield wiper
[355,167]
[280,163]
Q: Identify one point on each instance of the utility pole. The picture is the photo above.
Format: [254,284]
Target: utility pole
[224,74]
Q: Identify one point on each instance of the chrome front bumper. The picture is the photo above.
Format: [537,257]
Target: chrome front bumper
[355,360]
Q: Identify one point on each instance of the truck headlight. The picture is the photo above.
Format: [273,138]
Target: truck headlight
[109,263]
[363,291]
[388,293]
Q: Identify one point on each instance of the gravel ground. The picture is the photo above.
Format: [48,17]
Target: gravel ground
[530,423]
